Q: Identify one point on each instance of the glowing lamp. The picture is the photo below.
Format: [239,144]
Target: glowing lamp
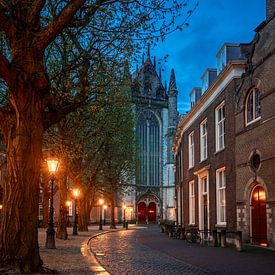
[76,192]
[53,164]
[101,201]
[105,206]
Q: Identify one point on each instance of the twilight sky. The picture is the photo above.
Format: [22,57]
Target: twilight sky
[194,49]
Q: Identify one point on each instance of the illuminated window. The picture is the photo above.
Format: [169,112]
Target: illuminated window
[203,140]
[220,192]
[191,149]
[253,106]
[192,202]
[220,130]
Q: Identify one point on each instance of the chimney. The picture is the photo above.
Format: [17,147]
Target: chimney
[270,9]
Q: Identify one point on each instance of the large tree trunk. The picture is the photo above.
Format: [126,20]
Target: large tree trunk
[84,214]
[63,213]
[23,133]
[18,232]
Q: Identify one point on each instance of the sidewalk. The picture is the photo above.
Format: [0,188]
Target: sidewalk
[71,256]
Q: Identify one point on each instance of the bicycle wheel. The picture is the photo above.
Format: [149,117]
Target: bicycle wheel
[188,236]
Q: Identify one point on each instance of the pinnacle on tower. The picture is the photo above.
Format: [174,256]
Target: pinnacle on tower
[160,74]
[172,84]
[148,51]
[155,63]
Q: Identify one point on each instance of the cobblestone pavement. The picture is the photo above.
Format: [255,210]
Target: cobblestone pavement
[121,253]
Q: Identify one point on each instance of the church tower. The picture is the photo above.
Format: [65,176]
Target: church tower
[155,111]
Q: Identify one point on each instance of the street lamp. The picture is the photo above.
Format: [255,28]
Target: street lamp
[53,164]
[104,212]
[68,204]
[76,193]
[100,202]
[124,209]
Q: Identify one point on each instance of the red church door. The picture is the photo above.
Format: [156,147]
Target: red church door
[258,213]
[152,212]
[142,212]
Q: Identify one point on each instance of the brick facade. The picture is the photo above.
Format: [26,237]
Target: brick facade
[259,135]
[205,109]
[249,153]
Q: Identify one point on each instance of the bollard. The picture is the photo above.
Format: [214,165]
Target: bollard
[126,225]
[238,241]
[223,238]
[215,238]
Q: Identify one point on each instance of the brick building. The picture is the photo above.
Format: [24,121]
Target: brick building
[255,137]
[225,145]
[205,148]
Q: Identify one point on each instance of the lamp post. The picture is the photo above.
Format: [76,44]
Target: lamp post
[124,209]
[104,213]
[68,204]
[76,193]
[100,202]
[53,164]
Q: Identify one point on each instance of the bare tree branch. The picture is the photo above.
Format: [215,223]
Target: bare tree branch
[58,24]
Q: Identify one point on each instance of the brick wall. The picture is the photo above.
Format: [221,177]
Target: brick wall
[260,134]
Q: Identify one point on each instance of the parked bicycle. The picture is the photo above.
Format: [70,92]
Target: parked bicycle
[192,235]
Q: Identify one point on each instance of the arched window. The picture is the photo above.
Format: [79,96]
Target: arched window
[149,153]
[253,106]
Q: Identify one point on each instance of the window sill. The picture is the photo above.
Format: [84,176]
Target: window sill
[219,151]
[203,160]
[252,121]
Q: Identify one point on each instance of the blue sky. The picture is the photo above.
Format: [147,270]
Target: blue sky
[194,49]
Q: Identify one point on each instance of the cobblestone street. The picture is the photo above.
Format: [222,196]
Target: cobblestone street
[121,253]
[146,251]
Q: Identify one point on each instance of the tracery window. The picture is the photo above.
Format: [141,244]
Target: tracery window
[253,106]
[148,138]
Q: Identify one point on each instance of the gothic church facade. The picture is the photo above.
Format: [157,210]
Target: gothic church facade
[156,115]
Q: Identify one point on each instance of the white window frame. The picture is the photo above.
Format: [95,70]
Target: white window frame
[203,175]
[203,140]
[191,150]
[254,119]
[192,203]
[220,188]
[220,125]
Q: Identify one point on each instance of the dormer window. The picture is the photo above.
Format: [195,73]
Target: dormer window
[221,59]
[228,53]
[253,106]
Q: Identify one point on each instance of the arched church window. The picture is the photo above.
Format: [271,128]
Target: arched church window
[148,139]
[253,106]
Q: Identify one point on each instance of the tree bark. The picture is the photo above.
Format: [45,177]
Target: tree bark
[84,214]
[18,231]
[63,213]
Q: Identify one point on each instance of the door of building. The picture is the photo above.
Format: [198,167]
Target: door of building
[152,209]
[258,216]
[142,212]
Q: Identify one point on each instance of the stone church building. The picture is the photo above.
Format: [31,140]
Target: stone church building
[156,115]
